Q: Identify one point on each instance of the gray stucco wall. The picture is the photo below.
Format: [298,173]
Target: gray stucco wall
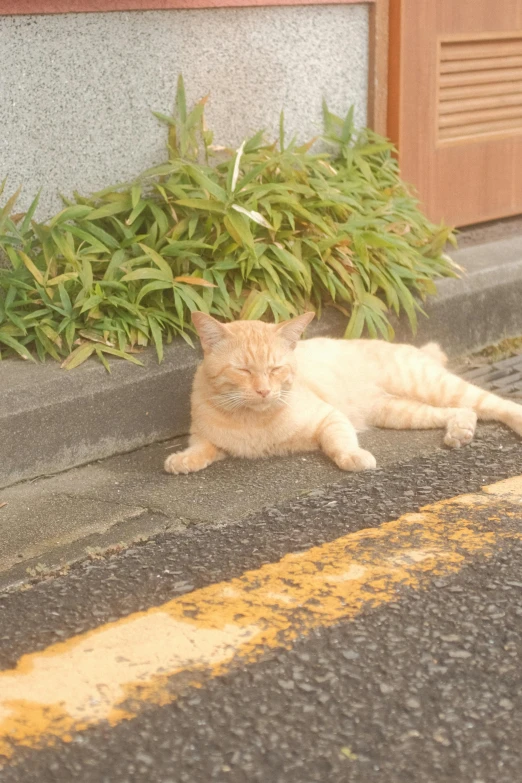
[77,90]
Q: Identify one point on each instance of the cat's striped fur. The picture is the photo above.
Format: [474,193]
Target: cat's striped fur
[260,391]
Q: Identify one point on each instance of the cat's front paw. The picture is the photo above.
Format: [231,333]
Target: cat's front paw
[184,462]
[177,463]
[356,460]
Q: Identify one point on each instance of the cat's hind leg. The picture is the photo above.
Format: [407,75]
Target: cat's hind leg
[404,414]
[413,374]
[199,454]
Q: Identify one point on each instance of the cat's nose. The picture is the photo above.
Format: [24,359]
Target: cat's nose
[263,392]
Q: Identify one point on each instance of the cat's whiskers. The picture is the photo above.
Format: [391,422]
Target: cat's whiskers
[229,401]
[283,396]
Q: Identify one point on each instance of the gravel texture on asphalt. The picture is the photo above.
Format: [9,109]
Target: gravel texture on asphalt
[103,590]
[425,690]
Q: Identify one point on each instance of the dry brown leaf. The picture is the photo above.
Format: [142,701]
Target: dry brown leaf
[194,281]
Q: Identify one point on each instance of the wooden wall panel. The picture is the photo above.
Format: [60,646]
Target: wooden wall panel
[455,105]
[378,67]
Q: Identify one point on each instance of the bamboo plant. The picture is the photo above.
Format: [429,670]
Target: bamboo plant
[264,231]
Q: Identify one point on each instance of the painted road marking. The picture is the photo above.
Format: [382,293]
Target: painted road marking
[110,673]
[509,488]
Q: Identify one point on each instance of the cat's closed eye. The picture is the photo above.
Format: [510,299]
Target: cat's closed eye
[244,370]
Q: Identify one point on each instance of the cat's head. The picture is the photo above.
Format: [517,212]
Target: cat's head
[249,364]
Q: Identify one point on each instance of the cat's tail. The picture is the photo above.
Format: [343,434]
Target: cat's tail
[426,381]
[435,351]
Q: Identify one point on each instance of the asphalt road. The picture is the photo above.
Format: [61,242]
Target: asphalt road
[424,688]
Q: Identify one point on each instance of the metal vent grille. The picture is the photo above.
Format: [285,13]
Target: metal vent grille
[503,377]
[480,88]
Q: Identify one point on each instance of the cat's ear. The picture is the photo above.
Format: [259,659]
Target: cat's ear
[210,331]
[292,330]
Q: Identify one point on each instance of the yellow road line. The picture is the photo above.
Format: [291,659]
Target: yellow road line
[110,673]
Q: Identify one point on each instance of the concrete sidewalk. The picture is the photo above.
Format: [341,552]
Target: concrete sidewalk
[52,420]
[49,522]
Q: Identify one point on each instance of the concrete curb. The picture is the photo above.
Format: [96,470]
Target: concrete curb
[51,420]
[482,307]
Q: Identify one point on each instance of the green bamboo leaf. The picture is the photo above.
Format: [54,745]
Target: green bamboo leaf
[47,343]
[293,263]
[135,195]
[16,320]
[32,268]
[65,299]
[76,212]
[86,275]
[374,149]
[282,131]
[90,303]
[155,330]
[407,301]
[198,176]
[64,245]
[8,207]
[94,336]
[348,127]
[149,273]
[255,306]
[251,175]
[202,203]
[160,218]
[191,298]
[20,349]
[239,229]
[62,278]
[183,247]
[78,356]
[255,142]
[356,323]
[110,209]
[181,101]
[136,212]
[373,239]
[101,357]
[114,264]
[149,288]
[162,170]
[104,236]
[165,118]
[13,256]
[95,246]
[120,354]
[26,222]
[193,224]
[158,260]
[374,303]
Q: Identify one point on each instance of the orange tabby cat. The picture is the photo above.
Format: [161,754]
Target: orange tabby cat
[261,391]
